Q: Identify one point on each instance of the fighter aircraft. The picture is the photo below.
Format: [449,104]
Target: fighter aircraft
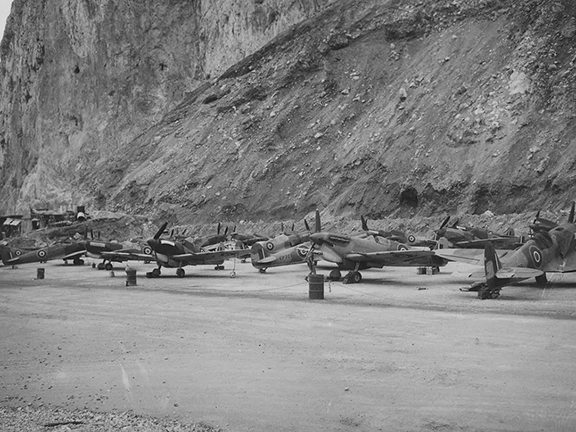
[65,251]
[109,252]
[177,253]
[460,236]
[356,253]
[398,236]
[550,250]
[284,249]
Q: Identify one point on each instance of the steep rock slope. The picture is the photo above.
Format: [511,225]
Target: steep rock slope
[393,108]
[80,79]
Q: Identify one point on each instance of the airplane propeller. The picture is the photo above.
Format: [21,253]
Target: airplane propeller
[160,231]
[571,217]
[441,231]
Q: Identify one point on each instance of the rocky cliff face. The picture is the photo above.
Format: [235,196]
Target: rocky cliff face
[190,111]
[81,79]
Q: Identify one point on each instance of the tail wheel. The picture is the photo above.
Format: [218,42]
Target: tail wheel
[180,272]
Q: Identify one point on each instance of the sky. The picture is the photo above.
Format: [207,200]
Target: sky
[4,12]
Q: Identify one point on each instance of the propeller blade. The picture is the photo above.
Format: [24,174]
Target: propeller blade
[364,223]
[160,231]
[226,231]
[218,229]
[306,225]
[292,226]
[441,231]
[92,234]
[445,222]
[571,217]
[318,225]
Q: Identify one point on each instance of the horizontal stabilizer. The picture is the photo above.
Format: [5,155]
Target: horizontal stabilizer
[509,273]
[267,260]
[505,274]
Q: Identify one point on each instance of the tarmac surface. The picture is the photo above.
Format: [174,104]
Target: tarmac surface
[398,352]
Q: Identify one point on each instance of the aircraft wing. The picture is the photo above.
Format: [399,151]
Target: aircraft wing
[74,254]
[468,256]
[497,241]
[390,258]
[126,256]
[193,258]
[509,273]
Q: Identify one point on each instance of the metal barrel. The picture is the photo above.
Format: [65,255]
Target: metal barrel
[130,277]
[316,287]
[40,273]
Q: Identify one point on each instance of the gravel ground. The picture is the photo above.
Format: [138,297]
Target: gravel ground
[41,419]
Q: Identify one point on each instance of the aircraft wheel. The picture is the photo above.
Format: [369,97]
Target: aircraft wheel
[78,262]
[100,266]
[335,275]
[262,270]
[494,294]
[108,266]
[352,277]
[233,274]
[484,294]
[180,272]
[156,272]
[219,267]
[149,275]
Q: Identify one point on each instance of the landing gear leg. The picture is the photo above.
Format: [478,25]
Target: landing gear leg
[541,280]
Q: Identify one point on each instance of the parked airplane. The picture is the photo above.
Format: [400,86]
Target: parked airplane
[65,251]
[284,249]
[356,253]
[110,252]
[172,253]
[398,236]
[459,236]
[548,251]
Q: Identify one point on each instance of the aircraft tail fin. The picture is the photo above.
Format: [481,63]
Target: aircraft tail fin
[5,254]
